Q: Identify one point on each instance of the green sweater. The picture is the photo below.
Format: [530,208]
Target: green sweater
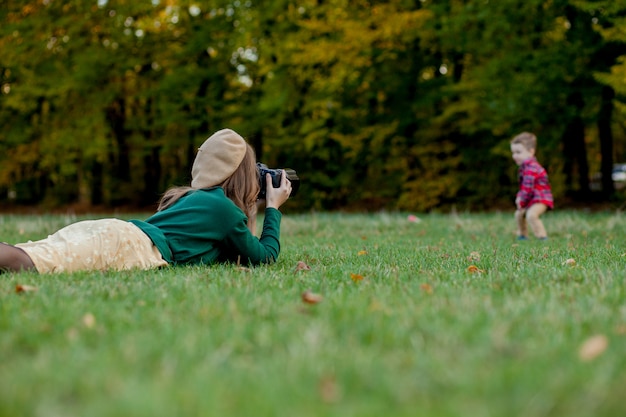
[205,226]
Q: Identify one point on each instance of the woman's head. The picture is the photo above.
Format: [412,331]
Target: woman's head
[217,158]
[225,160]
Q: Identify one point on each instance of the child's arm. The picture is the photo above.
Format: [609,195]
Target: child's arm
[527,185]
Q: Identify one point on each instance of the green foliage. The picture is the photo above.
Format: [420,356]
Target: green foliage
[377,104]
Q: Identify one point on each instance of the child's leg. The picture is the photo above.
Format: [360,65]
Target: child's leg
[532,216]
[520,220]
[14,259]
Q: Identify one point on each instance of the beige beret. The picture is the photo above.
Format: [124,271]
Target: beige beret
[217,159]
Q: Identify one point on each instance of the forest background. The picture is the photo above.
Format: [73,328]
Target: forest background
[398,104]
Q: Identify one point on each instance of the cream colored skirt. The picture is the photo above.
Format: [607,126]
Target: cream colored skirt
[94,245]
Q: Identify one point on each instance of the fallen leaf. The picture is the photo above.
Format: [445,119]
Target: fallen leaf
[356,277]
[570,262]
[72,334]
[473,269]
[311,298]
[362,252]
[593,347]
[301,266]
[329,390]
[24,288]
[89,320]
[376,305]
[474,257]
[427,288]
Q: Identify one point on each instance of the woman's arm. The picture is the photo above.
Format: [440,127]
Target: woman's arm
[244,246]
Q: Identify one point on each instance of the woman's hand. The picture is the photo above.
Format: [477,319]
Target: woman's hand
[275,197]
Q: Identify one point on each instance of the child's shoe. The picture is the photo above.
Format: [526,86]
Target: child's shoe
[522,237]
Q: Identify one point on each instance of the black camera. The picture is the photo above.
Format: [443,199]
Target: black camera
[276,177]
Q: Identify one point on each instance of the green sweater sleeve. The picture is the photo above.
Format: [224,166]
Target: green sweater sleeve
[242,246]
[205,226]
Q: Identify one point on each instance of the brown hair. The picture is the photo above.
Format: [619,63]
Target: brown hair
[242,187]
[526,139]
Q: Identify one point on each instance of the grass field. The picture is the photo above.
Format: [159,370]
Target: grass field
[445,316]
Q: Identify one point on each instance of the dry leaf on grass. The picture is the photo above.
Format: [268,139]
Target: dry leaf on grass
[362,252]
[427,288]
[356,277]
[310,297]
[301,266]
[593,347]
[473,269]
[89,320]
[570,262]
[329,390]
[19,288]
[474,257]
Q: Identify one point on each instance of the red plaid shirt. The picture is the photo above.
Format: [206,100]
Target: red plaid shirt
[534,185]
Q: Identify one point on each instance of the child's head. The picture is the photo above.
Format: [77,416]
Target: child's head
[526,139]
[523,147]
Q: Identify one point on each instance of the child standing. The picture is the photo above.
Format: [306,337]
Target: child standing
[535,195]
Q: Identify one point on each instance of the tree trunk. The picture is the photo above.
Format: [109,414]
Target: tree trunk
[576,166]
[606,140]
[120,161]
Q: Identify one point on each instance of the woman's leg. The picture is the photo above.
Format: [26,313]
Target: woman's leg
[532,217]
[14,259]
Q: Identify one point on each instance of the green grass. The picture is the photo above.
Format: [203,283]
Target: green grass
[419,335]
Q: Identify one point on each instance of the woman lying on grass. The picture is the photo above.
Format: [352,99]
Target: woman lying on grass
[214,220]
